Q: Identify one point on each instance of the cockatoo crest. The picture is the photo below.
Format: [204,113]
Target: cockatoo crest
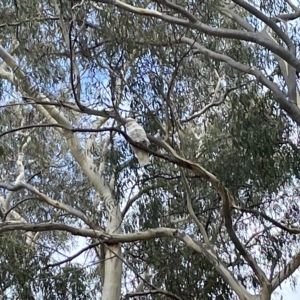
[137,133]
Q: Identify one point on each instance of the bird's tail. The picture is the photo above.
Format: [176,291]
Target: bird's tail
[143,158]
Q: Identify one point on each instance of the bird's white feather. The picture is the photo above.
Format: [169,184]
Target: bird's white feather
[137,133]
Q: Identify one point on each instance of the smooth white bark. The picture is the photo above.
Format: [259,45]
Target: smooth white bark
[113,266]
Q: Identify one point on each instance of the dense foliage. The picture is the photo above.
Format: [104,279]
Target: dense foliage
[216,89]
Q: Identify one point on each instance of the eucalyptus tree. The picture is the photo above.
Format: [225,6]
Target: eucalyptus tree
[214,84]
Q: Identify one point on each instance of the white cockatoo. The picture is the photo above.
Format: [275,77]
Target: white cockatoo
[137,133]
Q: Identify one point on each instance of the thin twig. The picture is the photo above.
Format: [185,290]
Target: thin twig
[140,277]
[18,203]
[70,258]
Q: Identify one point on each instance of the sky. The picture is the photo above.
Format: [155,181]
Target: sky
[286,291]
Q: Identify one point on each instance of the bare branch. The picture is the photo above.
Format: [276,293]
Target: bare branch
[152,292]
[288,106]
[219,266]
[238,19]
[145,276]
[288,72]
[181,10]
[286,17]
[136,197]
[254,37]
[59,104]
[50,201]
[212,104]
[287,271]
[70,258]
[242,250]
[295,230]
[55,125]
[13,47]
[132,237]
[138,145]
[138,275]
[191,210]
[292,5]
[248,7]
[101,113]
[21,170]
[15,24]
[228,202]
[39,227]
[17,204]
[74,70]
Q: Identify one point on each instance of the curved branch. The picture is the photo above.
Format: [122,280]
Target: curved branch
[21,170]
[70,258]
[133,237]
[181,10]
[211,104]
[228,202]
[219,266]
[292,5]
[17,204]
[237,18]
[286,17]
[248,7]
[136,197]
[14,24]
[40,227]
[295,230]
[152,292]
[254,37]
[191,210]
[55,125]
[74,71]
[287,271]
[288,106]
[128,139]
[101,113]
[54,203]
[242,250]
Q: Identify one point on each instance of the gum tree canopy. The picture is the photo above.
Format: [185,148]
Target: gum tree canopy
[215,86]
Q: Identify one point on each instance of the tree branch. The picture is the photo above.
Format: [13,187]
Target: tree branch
[139,276]
[54,203]
[101,113]
[180,9]
[292,5]
[279,97]
[191,210]
[40,227]
[129,140]
[248,7]
[219,266]
[133,237]
[152,292]
[238,19]
[266,217]
[211,104]
[242,250]
[288,73]
[254,37]
[287,271]
[136,197]
[70,258]
[15,24]
[17,204]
